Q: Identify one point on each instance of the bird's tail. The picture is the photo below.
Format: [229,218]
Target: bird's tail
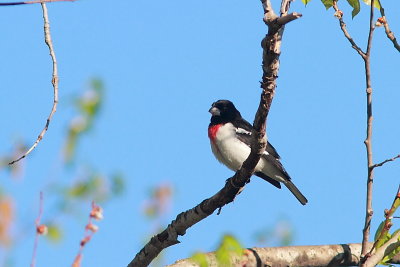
[296,192]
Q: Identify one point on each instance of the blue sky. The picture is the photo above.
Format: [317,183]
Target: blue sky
[163,63]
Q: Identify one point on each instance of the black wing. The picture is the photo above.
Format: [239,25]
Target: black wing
[244,134]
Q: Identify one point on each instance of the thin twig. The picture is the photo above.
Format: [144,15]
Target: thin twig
[339,15]
[388,32]
[385,161]
[54,81]
[96,213]
[368,140]
[40,230]
[33,2]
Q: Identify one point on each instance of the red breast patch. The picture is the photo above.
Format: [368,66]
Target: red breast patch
[212,132]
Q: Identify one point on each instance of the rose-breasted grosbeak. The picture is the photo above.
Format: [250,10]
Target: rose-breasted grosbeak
[230,137]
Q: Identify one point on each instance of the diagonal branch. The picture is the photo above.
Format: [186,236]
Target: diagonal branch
[385,161]
[271,52]
[388,32]
[54,81]
[339,15]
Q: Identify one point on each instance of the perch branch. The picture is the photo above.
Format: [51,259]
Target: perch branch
[54,81]
[271,52]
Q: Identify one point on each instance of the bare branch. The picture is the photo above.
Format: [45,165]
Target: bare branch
[96,213]
[388,32]
[368,140]
[54,81]
[40,230]
[270,65]
[339,15]
[288,18]
[385,161]
[33,2]
[301,256]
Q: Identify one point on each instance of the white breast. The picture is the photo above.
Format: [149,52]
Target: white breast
[229,150]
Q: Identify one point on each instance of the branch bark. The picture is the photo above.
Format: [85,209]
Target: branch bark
[388,32]
[323,255]
[270,65]
[368,140]
[54,81]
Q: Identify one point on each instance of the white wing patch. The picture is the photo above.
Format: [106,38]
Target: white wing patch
[242,131]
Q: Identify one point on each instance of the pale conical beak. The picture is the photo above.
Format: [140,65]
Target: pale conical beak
[214,111]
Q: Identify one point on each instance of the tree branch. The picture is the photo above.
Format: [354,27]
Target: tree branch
[54,81]
[339,15]
[33,2]
[40,230]
[388,32]
[384,250]
[385,161]
[368,140]
[300,256]
[270,65]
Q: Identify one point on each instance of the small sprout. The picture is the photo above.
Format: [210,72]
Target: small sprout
[92,227]
[85,240]
[41,229]
[97,212]
[338,14]
[380,22]
[386,212]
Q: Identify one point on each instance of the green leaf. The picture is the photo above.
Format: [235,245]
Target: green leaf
[228,246]
[355,4]
[200,259]
[327,3]
[54,233]
[377,4]
[386,236]
[396,203]
[389,256]
[305,2]
[379,230]
[117,184]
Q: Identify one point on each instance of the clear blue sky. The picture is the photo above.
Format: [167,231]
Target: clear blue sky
[163,64]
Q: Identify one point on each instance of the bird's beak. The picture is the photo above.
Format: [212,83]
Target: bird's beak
[214,111]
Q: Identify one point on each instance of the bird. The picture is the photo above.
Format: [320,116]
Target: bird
[230,138]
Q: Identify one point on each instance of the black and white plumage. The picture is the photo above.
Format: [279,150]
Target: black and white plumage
[230,137]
